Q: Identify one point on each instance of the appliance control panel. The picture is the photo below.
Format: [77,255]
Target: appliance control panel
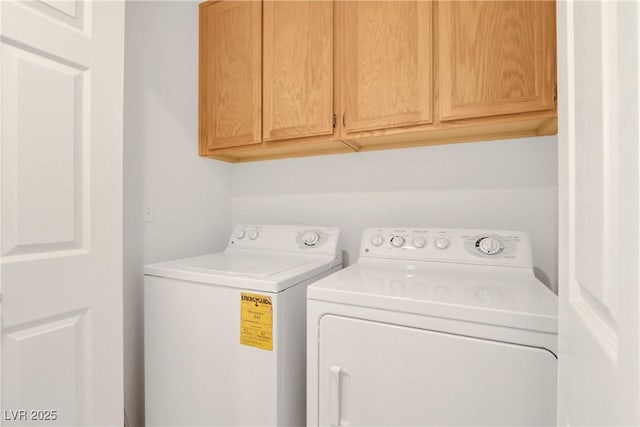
[486,247]
[286,238]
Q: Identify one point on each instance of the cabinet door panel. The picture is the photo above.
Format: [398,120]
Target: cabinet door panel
[387,64]
[230,74]
[495,57]
[298,69]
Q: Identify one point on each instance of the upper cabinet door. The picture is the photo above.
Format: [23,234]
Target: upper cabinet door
[297,69]
[387,64]
[230,74]
[495,57]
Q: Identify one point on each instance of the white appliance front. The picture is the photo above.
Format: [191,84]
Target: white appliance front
[407,337]
[373,373]
[197,371]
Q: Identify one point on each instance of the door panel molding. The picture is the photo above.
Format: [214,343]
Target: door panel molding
[45,122]
[71,13]
[598,182]
[51,352]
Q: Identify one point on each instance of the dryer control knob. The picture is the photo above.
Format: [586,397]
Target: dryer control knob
[488,245]
[377,240]
[310,238]
[397,241]
[240,233]
[419,242]
[253,234]
[442,243]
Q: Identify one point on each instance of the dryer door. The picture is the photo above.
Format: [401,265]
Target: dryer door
[380,374]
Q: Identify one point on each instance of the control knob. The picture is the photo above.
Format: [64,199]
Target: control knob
[310,238]
[419,242]
[489,245]
[397,241]
[377,240]
[253,234]
[442,243]
[240,233]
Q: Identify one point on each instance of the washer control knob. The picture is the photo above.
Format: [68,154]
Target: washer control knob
[253,234]
[397,241]
[419,242]
[310,238]
[488,245]
[377,240]
[240,233]
[442,243]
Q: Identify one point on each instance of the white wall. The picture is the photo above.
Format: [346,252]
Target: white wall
[190,195]
[510,184]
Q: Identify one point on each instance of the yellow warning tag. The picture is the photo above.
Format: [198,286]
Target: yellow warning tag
[256,321]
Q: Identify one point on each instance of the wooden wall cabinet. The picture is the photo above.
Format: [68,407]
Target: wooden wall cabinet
[230,74]
[495,58]
[387,64]
[299,78]
[297,69]
[267,85]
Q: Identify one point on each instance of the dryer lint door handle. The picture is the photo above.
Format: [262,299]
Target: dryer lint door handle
[337,396]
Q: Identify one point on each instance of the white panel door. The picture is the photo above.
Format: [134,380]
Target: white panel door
[61,188]
[377,374]
[598,57]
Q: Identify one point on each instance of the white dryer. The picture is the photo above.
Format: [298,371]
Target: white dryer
[225,333]
[433,327]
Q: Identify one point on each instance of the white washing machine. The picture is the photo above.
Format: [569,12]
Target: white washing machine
[225,333]
[433,327]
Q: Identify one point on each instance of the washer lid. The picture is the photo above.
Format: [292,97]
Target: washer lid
[505,296]
[264,271]
[252,264]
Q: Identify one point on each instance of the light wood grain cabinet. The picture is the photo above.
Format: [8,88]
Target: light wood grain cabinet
[420,73]
[387,64]
[296,78]
[297,69]
[230,74]
[267,86]
[495,57]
